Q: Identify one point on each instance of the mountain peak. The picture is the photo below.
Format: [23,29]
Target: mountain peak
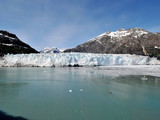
[133,32]
[121,29]
[123,41]
[136,32]
[10,43]
[50,50]
[8,35]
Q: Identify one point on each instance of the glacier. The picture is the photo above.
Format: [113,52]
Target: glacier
[74,59]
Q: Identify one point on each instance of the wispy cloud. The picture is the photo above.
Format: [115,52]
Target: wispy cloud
[67,23]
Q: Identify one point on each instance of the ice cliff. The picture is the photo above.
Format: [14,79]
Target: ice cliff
[75,59]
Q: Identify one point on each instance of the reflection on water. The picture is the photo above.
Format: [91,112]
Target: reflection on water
[8,87]
[78,94]
[139,80]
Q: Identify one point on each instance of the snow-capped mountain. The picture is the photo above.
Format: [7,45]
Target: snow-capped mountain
[10,43]
[124,41]
[50,50]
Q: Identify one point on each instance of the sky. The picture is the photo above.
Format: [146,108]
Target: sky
[68,23]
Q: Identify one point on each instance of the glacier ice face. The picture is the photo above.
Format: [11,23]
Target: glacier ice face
[71,59]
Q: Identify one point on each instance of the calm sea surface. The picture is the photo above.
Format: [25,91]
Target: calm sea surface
[78,94]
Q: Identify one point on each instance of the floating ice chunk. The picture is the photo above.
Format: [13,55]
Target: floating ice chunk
[70,91]
[156,47]
[81,90]
[110,92]
[144,78]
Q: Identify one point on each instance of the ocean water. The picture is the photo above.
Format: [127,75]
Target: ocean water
[78,94]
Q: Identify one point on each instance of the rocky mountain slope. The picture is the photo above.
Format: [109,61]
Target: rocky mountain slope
[124,41]
[10,43]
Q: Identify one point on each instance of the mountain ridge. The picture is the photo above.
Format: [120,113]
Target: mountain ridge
[10,43]
[123,41]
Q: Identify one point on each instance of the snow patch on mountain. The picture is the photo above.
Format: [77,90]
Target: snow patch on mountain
[98,37]
[119,34]
[9,37]
[50,50]
[123,33]
[136,32]
[62,50]
[80,59]
[7,44]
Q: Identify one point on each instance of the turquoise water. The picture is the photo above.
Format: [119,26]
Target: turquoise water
[78,94]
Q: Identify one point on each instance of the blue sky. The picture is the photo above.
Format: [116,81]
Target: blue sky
[67,23]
